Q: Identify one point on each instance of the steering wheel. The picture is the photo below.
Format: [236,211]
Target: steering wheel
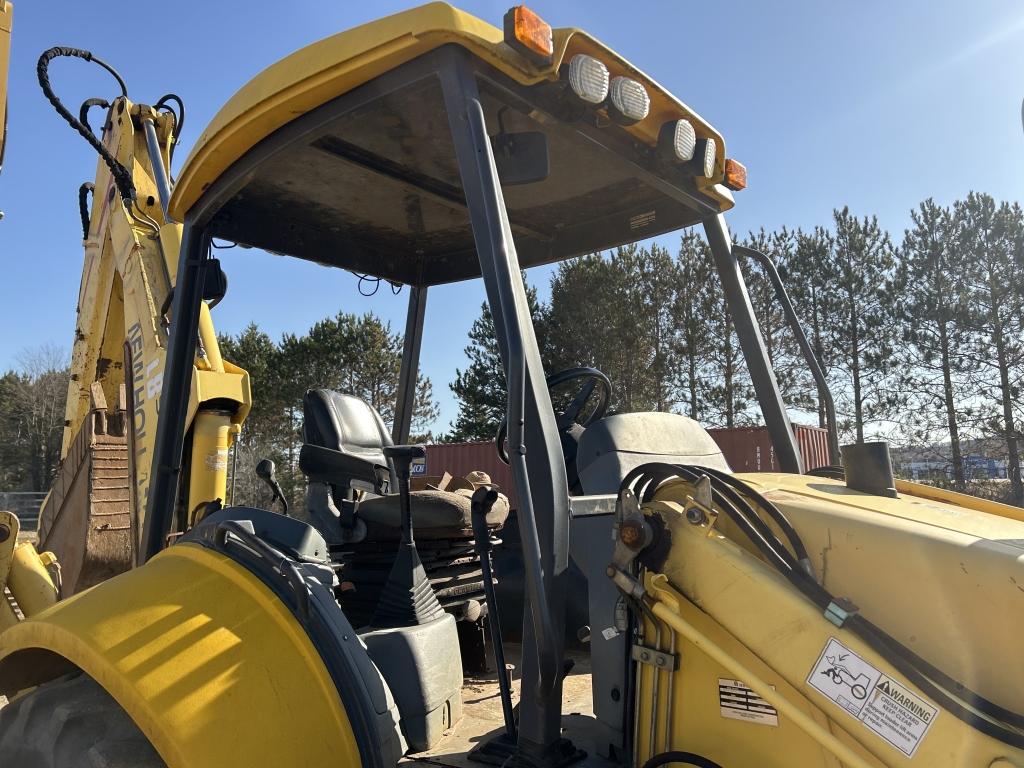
[568,420]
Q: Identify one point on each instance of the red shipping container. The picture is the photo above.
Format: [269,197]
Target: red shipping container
[459,459]
[747,449]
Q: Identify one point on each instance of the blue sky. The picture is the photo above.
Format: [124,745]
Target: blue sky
[876,105]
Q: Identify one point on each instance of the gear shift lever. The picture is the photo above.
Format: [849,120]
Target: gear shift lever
[265,472]
[407,598]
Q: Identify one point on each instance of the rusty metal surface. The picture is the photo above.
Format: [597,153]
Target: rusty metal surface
[86,521]
[749,449]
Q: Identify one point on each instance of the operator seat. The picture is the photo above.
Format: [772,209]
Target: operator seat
[344,440]
[351,499]
[611,448]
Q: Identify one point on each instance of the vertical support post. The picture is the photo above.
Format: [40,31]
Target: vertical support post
[534,448]
[177,384]
[411,343]
[765,386]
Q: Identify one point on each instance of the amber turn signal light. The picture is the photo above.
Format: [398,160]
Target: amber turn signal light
[529,33]
[735,175]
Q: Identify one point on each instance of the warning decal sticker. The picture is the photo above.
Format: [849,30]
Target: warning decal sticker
[900,717]
[738,702]
[882,704]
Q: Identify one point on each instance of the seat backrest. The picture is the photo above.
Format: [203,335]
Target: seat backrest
[346,424]
[614,446]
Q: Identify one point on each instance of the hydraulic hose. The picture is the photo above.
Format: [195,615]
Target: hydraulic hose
[122,176]
[946,691]
[774,513]
[685,758]
[83,206]
[179,117]
[653,475]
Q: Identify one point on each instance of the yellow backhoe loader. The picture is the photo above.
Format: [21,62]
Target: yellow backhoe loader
[824,617]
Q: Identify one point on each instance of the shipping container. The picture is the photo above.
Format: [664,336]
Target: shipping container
[459,459]
[746,449]
[749,449]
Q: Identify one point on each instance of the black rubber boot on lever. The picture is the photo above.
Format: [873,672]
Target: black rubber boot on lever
[407,598]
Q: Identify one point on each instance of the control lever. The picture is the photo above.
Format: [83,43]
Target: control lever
[407,599]
[265,470]
[481,503]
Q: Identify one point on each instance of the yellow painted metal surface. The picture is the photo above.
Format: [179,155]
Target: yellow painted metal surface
[211,443]
[10,522]
[192,641]
[959,499]
[929,572]
[131,255]
[29,581]
[900,563]
[331,67]
[6,20]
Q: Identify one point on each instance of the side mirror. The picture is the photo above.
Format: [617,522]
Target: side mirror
[521,158]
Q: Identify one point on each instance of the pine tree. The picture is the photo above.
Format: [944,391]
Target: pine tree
[862,332]
[617,314]
[930,284]
[991,241]
[807,275]
[790,369]
[266,433]
[480,388]
[730,392]
[694,303]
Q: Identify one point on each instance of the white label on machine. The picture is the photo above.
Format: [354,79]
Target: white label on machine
[737,701]
[883,705]
[418,466]
[897,715]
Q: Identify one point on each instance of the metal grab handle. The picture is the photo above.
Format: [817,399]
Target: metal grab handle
[547,654]
[801,339]
[271,555]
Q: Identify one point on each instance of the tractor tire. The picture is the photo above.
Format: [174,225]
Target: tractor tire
[71,722]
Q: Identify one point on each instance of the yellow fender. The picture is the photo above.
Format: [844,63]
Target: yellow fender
[209,663]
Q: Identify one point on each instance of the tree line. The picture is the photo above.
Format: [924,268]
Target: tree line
[32,398]
[921,337]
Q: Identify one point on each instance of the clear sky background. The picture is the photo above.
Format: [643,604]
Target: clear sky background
[872,104]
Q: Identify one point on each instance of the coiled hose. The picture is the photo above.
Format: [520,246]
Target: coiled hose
[122,176]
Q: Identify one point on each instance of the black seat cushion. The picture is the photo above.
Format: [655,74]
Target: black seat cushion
[348,425]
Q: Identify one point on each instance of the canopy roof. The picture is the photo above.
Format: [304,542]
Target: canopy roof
[341,154]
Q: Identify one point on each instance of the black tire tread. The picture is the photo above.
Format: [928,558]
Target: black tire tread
[71,722]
